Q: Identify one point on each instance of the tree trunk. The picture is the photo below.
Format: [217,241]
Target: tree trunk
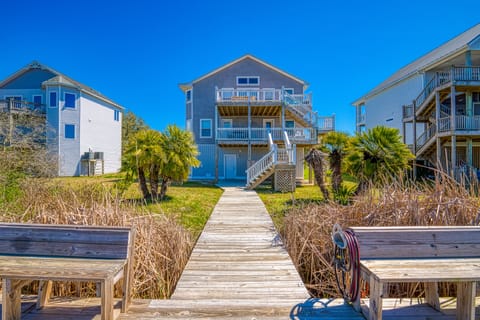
[336,166]
[142,181]
[163,189]
[154,181]
[315,158]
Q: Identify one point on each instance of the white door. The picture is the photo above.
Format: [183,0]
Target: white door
[230,166]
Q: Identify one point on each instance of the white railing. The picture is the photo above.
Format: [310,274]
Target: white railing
[444,124]
[230,94]
[467,122]
[466,73]
[425,137]
[298,135]
[21,105]
[262,165]
[297,99]
[326,123]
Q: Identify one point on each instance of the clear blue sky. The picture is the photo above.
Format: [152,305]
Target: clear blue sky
[136,52]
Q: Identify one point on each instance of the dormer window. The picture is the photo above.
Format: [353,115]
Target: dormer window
[248,81]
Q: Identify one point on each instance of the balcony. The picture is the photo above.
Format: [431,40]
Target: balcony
[260,135]
[462,123]
[259,96]
[21,106]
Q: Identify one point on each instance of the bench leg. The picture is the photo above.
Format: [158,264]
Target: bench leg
[466,292]
[431,295]
[44,292]
[11,303]
[126,299]
[376,293]
[107,299]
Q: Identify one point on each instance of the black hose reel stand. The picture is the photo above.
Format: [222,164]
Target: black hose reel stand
[346,262]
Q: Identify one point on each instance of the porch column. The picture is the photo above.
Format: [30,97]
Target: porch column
[215,126]
[414,124]
[437,124]
[249,126]
[469,152]
[453,112]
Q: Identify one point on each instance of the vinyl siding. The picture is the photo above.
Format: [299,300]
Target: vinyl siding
[30,80]
[100,132]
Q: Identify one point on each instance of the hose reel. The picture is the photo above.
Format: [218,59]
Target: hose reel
[346,262]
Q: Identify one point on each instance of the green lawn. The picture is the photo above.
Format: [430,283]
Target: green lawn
[278,204]
[190,203]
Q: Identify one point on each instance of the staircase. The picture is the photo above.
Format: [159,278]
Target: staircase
[299,106]
[265,167]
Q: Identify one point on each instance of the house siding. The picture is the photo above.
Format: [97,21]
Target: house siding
[388,105]
[69,148]
[30,80]
[95,116]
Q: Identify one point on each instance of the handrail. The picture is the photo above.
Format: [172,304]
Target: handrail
[21,105]
[270,141]
[262,165]
[425,137]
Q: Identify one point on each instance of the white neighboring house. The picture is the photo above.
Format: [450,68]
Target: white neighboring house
[84,128]
[434,102]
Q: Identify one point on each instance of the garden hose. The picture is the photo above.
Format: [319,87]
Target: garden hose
[346,262]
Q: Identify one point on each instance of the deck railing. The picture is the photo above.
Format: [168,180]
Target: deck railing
[230,94]
[21,105]
[296,135]
[425,137]
[262,165]
[466,73]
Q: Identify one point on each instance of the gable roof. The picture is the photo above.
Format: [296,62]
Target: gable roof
[186,86]
[59,78]
[453,47]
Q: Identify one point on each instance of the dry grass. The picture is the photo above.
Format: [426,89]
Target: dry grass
[307,229]
[162,246]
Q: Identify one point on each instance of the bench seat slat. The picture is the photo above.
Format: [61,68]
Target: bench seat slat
[56,249]
[59,268]
[418,270]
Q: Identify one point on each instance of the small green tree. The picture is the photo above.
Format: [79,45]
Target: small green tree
[131,124]
[336,145]
[377,153]
[143,157]
[180,155]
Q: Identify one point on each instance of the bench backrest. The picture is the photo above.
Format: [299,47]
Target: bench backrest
[417,242]
[65,241]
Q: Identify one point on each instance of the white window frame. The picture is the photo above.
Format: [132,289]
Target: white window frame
[50,99]
[116,115]
[201,128]
[289,121]
[65,100]
[269,90]
[269,120]
[289,91]
[248,81]
[187,99]
[227,121]
[65,131]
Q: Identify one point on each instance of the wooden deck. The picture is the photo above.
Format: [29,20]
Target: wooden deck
[237,270]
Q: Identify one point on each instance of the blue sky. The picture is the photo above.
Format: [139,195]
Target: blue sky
[137,52]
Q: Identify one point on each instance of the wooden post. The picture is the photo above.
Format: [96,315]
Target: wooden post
[453,128]
[11,304]
[376,295]
[466,292]
[437,123]
[431,295]
[107,299]
[414,124]
[44,292]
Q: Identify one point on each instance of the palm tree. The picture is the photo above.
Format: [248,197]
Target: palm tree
[377,153]
[336,143]
[180,155]
[316,159]
[144,156]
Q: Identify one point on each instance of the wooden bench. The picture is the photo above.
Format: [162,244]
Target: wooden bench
[420,254]
[64,253]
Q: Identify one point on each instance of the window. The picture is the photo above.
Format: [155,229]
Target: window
[53,99]
[205,128]
[70,100]
[37,101]
[227,123]
[248,81]
[289,124]
[476,108]
[189,95]
[69,131]
[268,94]
[116,115]
[268,123]
[288,90]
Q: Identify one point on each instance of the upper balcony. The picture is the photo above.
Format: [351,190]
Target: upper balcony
[268,97]
[11,105]
[459,76]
